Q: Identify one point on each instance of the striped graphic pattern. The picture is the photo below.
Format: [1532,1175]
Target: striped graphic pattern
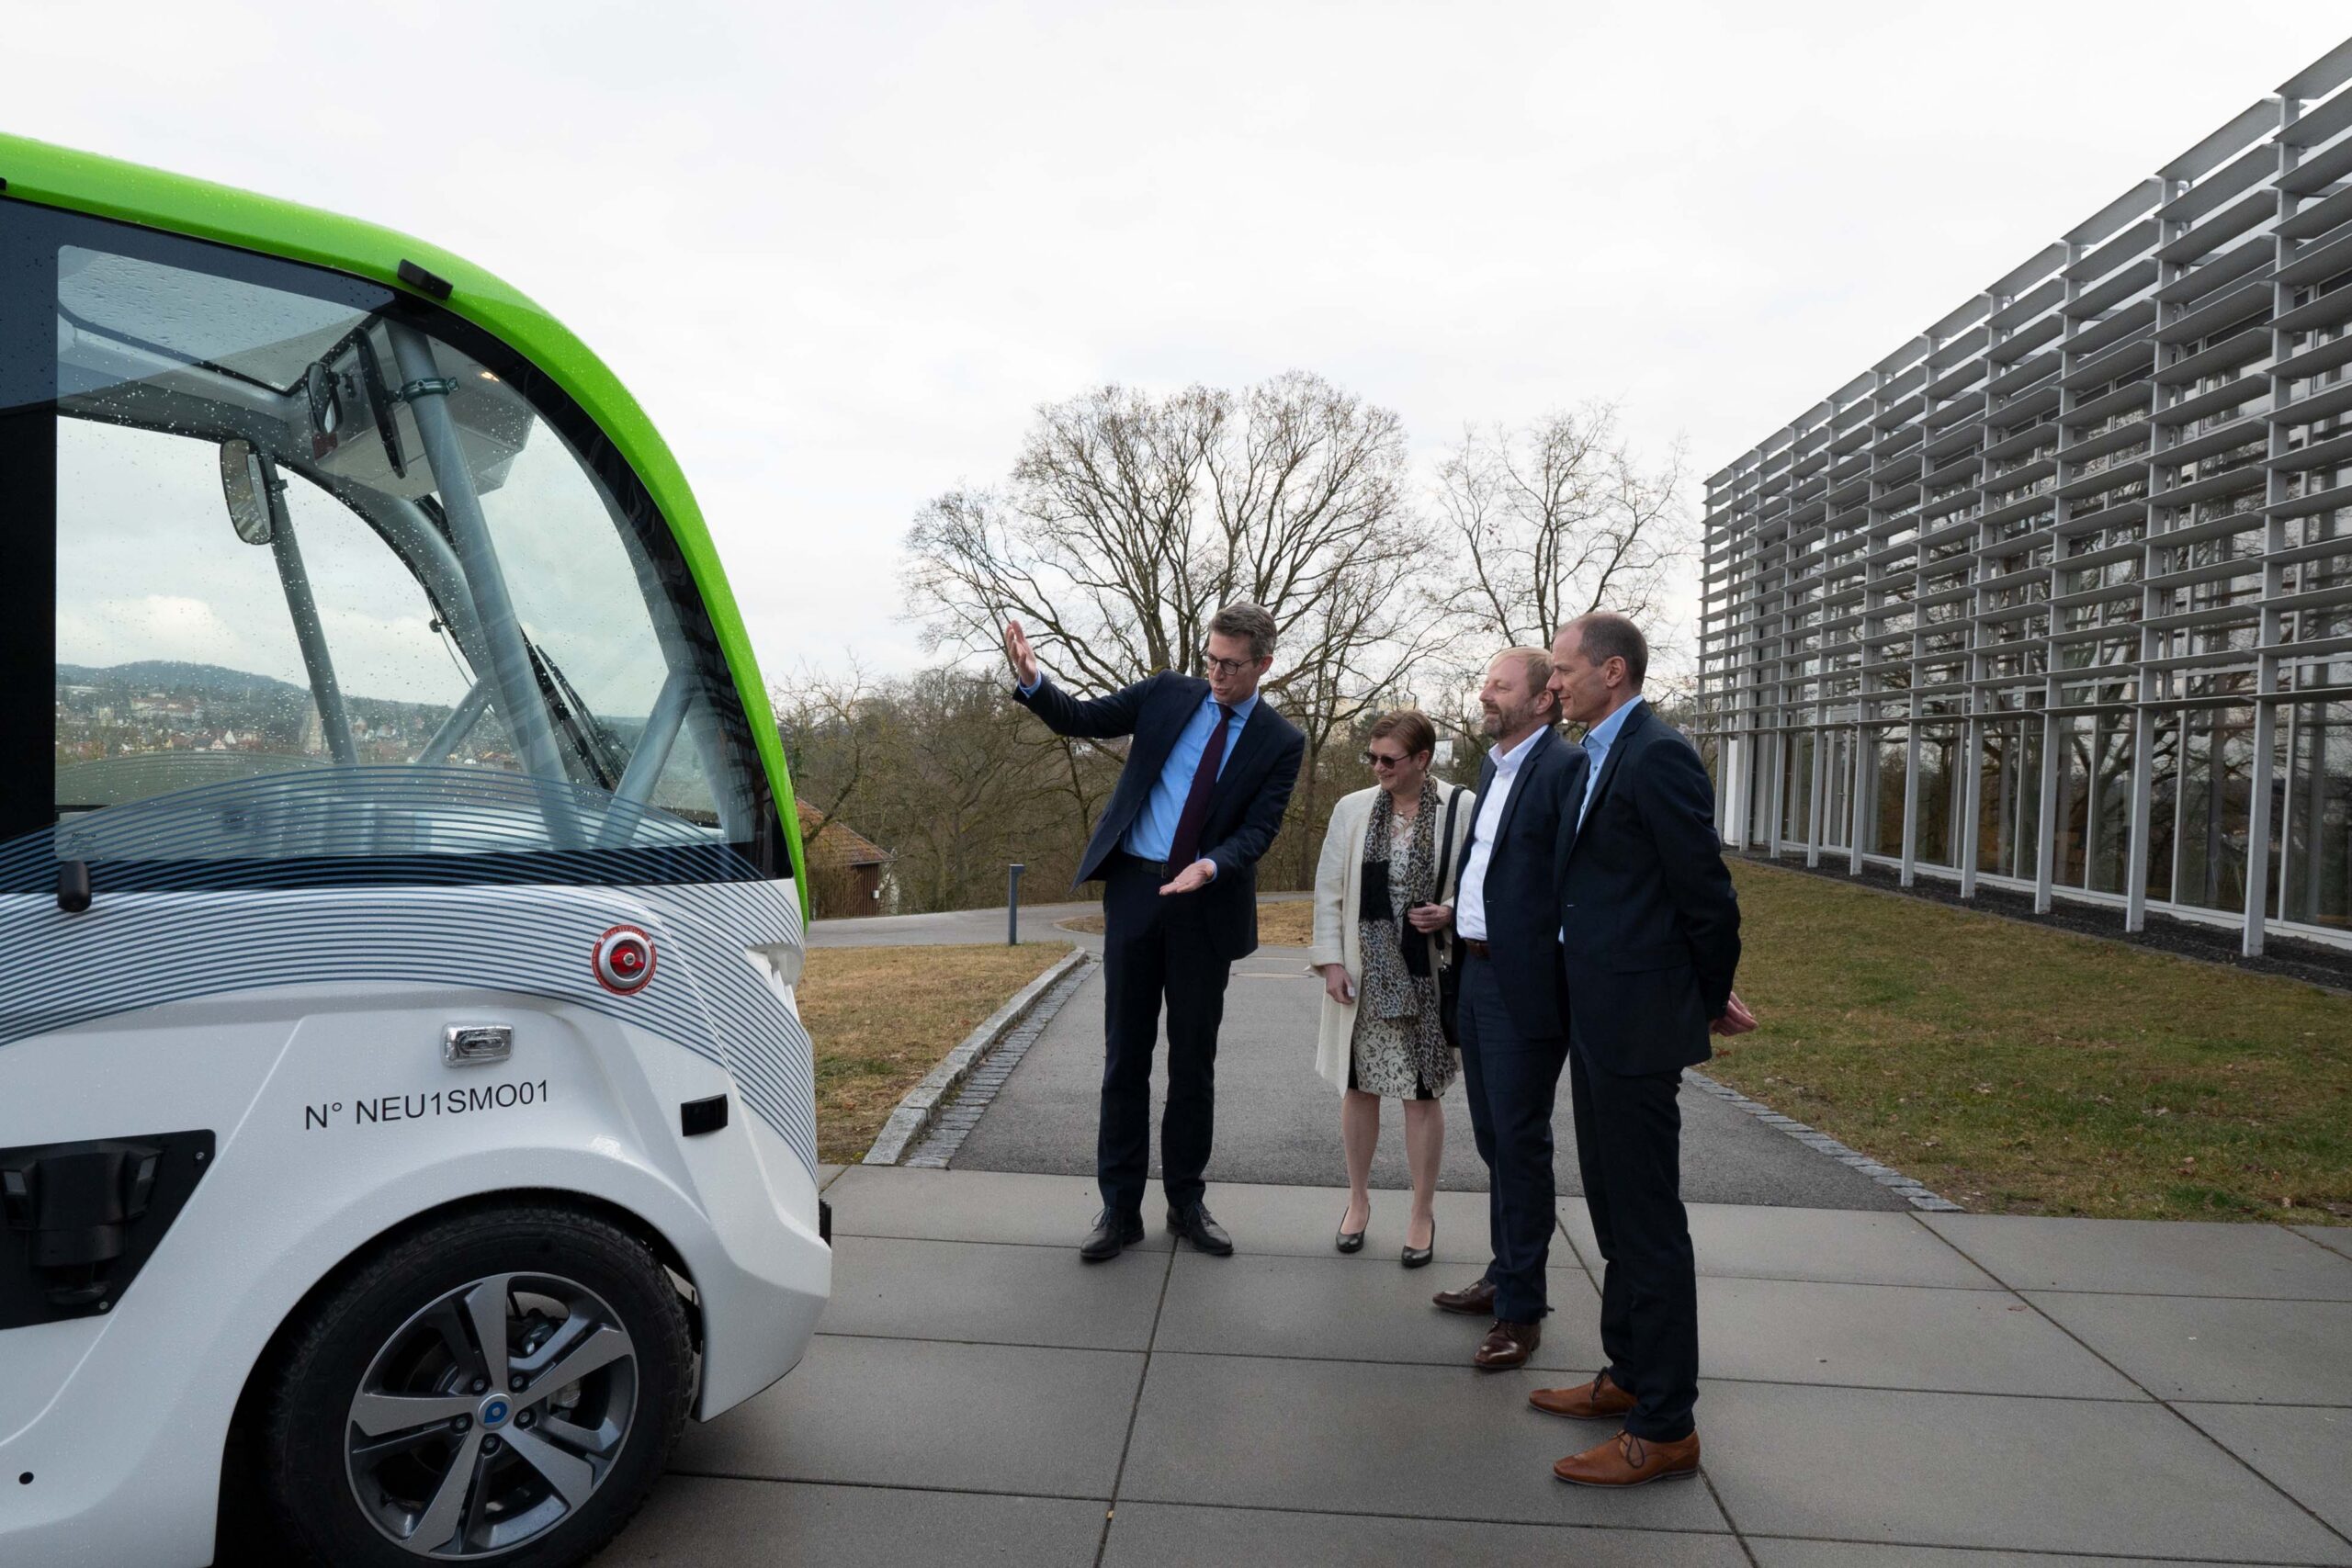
[221,923]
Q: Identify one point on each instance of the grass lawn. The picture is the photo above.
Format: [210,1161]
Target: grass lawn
[882,1017]
[2020,1070]
[1288,922]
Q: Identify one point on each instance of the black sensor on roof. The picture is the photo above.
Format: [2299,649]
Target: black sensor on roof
[424,282]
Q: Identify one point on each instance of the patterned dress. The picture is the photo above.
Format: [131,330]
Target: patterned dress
[1399,1048]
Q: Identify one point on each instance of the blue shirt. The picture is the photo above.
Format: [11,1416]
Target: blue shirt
[1153,832]
[1597,741]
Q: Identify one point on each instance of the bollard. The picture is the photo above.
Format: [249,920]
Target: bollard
[1013,903]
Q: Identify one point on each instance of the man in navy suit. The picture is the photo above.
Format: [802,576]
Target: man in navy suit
[1513,1006]
[1649,939]
[1200,800]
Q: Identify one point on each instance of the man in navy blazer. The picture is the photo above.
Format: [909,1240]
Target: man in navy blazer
[1513,1006]
[1208,777]
[1649,940]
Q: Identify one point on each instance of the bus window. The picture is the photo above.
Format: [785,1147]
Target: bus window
[303,523]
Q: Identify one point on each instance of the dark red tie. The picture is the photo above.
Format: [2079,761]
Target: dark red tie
[1185,848]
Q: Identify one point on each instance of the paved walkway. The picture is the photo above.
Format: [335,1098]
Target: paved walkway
[1277,1122]
[1882,1389]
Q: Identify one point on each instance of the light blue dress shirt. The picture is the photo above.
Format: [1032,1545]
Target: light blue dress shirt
[1597,741]
[1153,832]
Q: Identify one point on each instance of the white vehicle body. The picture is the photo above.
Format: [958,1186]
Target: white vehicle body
[455,898]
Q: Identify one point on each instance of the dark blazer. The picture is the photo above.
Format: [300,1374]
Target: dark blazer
[1245,813]
[1523,911]
[1650,925]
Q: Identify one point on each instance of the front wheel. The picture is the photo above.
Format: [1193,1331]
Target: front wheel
[502,1384]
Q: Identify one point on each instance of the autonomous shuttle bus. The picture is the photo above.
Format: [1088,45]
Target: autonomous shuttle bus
[405,1120]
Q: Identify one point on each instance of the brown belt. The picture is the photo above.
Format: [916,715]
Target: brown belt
[1473,944]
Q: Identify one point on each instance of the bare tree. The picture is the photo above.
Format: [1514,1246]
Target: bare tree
[1557,518]
[1128,520]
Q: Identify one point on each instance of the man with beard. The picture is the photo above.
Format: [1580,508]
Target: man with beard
[1513,1006]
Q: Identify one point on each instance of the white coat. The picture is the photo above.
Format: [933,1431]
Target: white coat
[1339,898]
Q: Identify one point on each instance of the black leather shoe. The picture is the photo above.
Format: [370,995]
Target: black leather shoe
[1351,1240]
[1194,1224]
[1419,1256]
[1110,1236]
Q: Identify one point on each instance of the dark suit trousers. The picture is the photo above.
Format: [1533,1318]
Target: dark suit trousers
[1629,1147]
[1156,949]
[1511,1082]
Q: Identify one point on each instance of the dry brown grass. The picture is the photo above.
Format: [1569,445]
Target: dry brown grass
[882,1017]
[2022,1070]
[1286,922]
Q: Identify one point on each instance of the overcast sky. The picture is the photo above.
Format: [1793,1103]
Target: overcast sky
[843,251]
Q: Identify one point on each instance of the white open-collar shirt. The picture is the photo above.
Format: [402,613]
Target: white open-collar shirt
[1470,899]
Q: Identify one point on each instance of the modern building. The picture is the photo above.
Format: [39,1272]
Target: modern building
[2058,595]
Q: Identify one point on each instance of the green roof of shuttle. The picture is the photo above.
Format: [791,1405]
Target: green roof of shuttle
[108,187]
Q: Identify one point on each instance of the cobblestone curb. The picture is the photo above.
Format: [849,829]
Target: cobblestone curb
[1893,1180]
[949,1131]
[922,1106]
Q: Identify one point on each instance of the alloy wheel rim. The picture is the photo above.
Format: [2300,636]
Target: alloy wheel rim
[491,1416]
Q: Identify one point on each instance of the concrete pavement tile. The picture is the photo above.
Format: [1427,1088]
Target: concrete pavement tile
[1156,1535]
[2306,1452]
[973,1205]
[2010,1475]
[694,1521]
[2213,1347]
[913,1412]
[999,1294]
[825,1174]
[1836,1245]
[1892,1336]
[1770,1554]
[2157,1257]
[2335,1239]
[1352,1309]
[1300,1221]
[1416,1442]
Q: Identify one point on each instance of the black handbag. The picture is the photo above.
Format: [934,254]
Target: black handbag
[1448,975]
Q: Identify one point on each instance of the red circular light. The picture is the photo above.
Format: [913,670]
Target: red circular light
[623,960]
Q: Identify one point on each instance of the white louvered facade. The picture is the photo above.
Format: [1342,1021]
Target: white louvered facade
[2058,595]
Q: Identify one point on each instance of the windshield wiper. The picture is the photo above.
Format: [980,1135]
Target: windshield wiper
[589,739]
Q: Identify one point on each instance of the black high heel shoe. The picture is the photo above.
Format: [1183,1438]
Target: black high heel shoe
[1419,1256]
[1352,1241]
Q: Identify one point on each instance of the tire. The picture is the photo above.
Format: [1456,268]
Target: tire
[382,1406]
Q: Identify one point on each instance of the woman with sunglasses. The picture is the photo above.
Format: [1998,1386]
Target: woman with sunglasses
[1382,913]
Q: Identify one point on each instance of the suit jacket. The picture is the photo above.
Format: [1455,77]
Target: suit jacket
[1523,909]
[1650,925]
[1245,810]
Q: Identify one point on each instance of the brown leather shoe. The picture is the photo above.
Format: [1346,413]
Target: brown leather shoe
[1474,1299]
[1628,1460]
[1600,1400]
[1507,1345]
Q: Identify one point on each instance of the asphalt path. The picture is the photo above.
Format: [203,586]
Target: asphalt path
[1037,924]
[1278,1123]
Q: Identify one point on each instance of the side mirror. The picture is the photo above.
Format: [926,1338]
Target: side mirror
[245,481]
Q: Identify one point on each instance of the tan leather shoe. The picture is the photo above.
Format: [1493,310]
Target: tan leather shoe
[1600,1400]
[1476,1299]
[1507,1345]
[1628,1460]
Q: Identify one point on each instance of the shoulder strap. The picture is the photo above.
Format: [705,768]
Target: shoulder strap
[1445,845]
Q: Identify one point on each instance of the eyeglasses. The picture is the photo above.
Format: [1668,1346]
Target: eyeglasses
[1228,668]
[1375,759]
